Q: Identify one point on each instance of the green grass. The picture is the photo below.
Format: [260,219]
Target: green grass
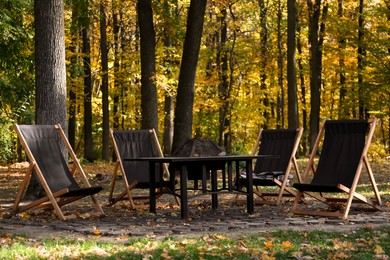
[365,243]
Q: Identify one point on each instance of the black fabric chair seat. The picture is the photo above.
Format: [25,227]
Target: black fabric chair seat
[265,178]
[75,192]
[43,145]
[271,172]
[134,144]
[316,187]
[342,146]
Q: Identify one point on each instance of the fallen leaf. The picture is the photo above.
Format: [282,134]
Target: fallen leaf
[286,244]
[243,244]
[378,250]
[96,231]
[269,244]
[25,215]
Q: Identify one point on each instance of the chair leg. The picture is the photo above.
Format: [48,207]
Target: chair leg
[372,179]
[112,185]
[296,201]
[129,195]
[22,188]
[97,205]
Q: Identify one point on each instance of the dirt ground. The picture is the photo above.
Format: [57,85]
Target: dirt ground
[121,222]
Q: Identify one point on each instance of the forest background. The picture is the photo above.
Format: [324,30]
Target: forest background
[261,64]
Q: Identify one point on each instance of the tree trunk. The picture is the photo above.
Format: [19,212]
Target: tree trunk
[168,100]
[104,55]
[264,58]
[185,91]
[303,91]
[343,111]
[88,140]
[293,119]
[315,69]
[50,68]
[117,51]
[280,107]
[86,50]
[74,75]
[148,65]
[223,85]
[361,57]
[50,72]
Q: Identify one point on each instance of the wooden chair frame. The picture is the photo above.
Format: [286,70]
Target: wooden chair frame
[51,200]
[119,169]
[284,190]
[352,195]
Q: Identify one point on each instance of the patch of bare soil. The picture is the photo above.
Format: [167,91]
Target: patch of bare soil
[122,222]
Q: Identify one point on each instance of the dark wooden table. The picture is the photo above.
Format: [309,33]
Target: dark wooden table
[208,163]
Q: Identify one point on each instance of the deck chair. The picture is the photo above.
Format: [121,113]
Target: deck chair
[42,146]
[135,174]
[275,172]
[344,152]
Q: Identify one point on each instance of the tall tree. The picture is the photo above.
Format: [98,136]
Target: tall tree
[117,13]
[361,60]
[223,84]
[264,57]
[302,84]
[185,91]
[74,75]
[315,42]
[104,60]
[50,70]
[170,18]
[148,65]
[342,45]
[280,114]
[292,100]
[87,80]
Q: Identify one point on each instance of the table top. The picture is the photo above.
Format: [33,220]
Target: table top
[201,158]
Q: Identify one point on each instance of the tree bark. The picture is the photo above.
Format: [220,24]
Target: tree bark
[86,49]
[104,60]
[315,69]
[293,119]
[50,68]
[223,85]
[185,91]
[302,84]
[148,65]
[168,99]
[281,96]
[50,72]
[263,59]
[343,111]
[117,51]
[74,75]
[361,58]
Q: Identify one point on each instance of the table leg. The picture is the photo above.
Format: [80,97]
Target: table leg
[204,178]
[152,185]
[230,177]
[224,178]
[183,191]
[249,176]
[214,188]
[237,164]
